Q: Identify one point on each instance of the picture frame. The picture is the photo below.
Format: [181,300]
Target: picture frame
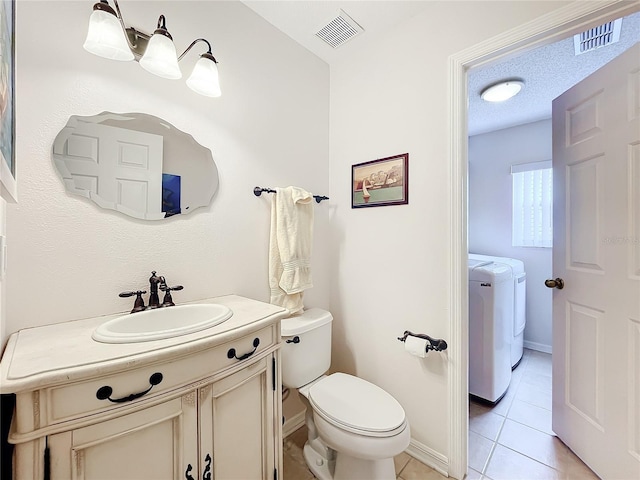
[381,182]
[7,101]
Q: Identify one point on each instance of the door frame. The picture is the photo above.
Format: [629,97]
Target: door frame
[559,24]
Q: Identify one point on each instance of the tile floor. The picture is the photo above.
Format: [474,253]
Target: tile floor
[514,440]
[510,441]
[295,468]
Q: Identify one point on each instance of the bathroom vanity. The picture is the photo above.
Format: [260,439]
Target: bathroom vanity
[198,406]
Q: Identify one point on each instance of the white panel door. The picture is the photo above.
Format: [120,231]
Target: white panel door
[119,168]
[596,251]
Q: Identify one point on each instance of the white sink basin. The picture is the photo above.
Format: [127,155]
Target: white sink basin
[161,323]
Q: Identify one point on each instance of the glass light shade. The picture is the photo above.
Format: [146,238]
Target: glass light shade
[161,58]
[204,78]
[502,91]
[106,38]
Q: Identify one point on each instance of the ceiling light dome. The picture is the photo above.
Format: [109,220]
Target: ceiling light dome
[502,91]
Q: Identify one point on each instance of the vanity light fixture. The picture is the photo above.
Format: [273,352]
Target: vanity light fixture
[502,91]
[108,37]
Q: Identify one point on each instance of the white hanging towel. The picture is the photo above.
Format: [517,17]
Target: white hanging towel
[290,247]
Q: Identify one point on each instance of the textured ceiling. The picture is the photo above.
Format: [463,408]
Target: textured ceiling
[546,71]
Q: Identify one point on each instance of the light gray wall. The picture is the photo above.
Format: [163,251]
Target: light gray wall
[69,259]
[490,196]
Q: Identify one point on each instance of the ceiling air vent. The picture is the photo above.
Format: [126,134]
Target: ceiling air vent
[339,30]
[597,37]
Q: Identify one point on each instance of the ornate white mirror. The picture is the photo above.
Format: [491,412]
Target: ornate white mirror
[136,164]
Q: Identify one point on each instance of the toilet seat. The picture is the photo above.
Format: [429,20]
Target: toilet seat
[357,406]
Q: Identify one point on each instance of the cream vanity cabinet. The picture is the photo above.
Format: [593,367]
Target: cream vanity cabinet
[208,407]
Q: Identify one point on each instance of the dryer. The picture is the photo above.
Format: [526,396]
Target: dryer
[490,313]
[519,318]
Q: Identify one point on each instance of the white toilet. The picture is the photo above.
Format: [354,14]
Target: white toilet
[355,427]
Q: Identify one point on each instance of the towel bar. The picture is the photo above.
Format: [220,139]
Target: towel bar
[436,344]
[257,191]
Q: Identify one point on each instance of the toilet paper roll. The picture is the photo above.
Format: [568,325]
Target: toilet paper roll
[416,346]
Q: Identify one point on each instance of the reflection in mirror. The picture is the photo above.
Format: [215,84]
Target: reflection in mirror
[136,164]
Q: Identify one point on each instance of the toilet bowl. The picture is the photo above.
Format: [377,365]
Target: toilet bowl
[355,428]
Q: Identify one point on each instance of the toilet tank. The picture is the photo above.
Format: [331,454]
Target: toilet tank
[306,347]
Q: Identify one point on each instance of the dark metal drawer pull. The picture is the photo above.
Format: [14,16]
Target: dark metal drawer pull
[104,393]
[232,351]
[207,468]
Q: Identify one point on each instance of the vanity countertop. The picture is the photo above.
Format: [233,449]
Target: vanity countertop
[64,352]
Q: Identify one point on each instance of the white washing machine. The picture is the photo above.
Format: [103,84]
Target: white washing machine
[490,312]
[519,302]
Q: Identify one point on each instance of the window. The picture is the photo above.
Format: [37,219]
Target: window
[532,207]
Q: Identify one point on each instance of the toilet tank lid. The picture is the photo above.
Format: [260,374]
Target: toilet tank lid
[307,320]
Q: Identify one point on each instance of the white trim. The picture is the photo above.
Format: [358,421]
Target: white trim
[561,23]
[294,423]
[458,350]
[539,347]
[428,456]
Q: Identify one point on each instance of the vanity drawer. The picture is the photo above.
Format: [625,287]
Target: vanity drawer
[97,395]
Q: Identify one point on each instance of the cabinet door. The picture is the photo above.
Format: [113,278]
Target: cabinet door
[159,442]
[237,425]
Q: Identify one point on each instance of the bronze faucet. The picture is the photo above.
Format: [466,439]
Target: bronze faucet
[154,301]
[155,282]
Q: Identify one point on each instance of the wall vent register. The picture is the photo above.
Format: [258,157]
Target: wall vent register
[339,30]
[597,37]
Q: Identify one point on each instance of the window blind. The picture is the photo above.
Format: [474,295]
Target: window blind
[532,206]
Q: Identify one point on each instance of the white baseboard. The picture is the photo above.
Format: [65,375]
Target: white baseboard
[292,424]
[429,457]
[540,347]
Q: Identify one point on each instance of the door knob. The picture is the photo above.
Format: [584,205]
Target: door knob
[557,283]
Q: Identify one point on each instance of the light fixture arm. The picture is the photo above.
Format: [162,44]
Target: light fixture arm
[134,36]
[208,52]
[132,45]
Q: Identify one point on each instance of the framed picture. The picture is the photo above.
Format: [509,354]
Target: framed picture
[7,101]
[380,182]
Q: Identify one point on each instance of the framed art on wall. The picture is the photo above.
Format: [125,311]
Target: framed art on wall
[7,101]
[380,182]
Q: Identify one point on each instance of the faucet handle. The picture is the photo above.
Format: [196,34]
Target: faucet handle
[131,294]
[168,301]
[138,305]
[164,288]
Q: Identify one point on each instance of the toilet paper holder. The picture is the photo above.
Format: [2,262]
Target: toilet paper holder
[436,344]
